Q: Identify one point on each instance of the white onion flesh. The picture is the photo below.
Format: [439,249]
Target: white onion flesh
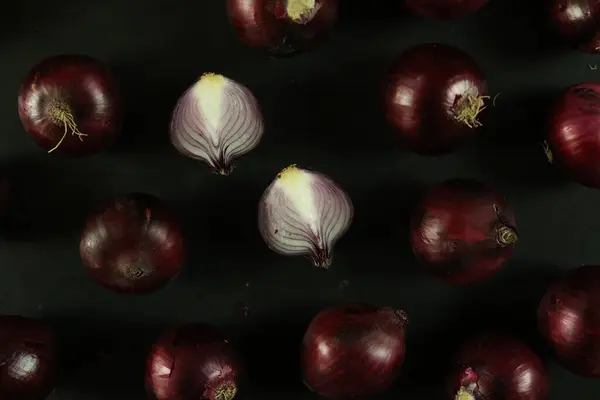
[304,212]
[216,120]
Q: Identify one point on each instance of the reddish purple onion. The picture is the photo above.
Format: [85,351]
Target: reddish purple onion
[216,120]
[578,21]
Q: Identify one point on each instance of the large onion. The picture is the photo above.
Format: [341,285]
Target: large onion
[578,21]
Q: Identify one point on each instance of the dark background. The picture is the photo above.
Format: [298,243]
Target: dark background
[323,110]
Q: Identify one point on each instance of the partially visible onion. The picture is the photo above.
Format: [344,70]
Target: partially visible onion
[216,120]
[283,27]
[304,213]
[445,9]
[434,97]
[495,366]
[133,245]
[193,362]
[578,21]
[353,350]
[463,231]
[28,359]
[569,319]
[572,135]
[71,104]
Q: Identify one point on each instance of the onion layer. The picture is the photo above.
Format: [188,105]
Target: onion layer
[133,245]
[216,120]
[445,9]
[493,366]
[569,319]
[578,21]
[193,362]
[71,104]
[572,140]
[283,27]
[28,359]
[304,213]
[463,231]
[353,350]
[434,97]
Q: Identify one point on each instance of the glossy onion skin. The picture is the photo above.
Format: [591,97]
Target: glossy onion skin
[498,367]
[29,359]
[424,88]
[191,362]
[574,134]
[344,346]
[265,24]
[578,21]
[445,9]
[87,87]
[457,230]
[569,319]
[133,245]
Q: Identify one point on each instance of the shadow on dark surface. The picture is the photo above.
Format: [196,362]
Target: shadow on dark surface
[379,11]
[511,148]
[505,304]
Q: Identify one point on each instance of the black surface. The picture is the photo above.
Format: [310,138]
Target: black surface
[322,111]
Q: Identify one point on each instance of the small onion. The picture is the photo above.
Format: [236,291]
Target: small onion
[495,366]
[304,212]
[463,231]
[569,319]
[445,9]
[216,120]
[353,350]
[578,21]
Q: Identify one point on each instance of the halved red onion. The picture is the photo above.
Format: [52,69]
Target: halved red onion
[216,120]
[304,213]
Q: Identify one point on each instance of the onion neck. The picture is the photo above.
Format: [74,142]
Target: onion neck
[220,167]
[61,114]
[226,391]
[468,108]
[322,258]
[505,235]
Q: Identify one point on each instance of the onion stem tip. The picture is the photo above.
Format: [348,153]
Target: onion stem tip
[507,235]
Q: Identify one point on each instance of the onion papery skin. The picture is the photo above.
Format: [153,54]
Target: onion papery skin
[578,21]
[435,95]
[282,27]
[134,244]
[463,231]
[29,363]
[353,350]
[445,9]
[569,320]
[304,213]
[495,366]
[216,120]
[193,362]
[64,92]
[573,134]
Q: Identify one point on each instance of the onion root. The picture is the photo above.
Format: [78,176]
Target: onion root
[225,392]
[464,394]
[62,114]
[548,152]
[469,109]
[302,11]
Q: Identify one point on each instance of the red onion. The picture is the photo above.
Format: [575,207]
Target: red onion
[133,245]
[70,104]
[434,97]
[193,362]
[216,120]
[578,21]
[353,350]
[572,140]
[569,319]
[28,358]
[494,366]
[463,231]
[283,27]
[445,9]
[304,213]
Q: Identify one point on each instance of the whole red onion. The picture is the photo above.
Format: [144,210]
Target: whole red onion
[495,366]
[445,9]
[569,319]
[353,350]
[71,104]
[28,359]
[283,27]
[572,139]
[578,21]
[133,245]
[463,231]
[434,97]
[193,362]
